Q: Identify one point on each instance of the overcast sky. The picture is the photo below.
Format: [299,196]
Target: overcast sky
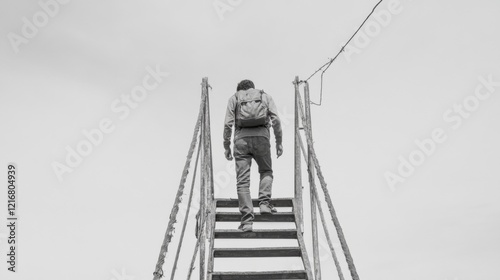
[417,90]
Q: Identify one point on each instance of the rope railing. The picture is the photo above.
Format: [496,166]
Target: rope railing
[178,198]
[193,259]
[200,129]
[319,173]
[323,221]
[186,218]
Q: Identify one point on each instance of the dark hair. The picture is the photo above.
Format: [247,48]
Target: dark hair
[244,85]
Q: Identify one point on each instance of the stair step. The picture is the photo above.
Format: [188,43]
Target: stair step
[257,252]
[257,233]
[233,202]
[286,274]
[236,217]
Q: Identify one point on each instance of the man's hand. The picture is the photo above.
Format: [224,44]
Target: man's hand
[228,154]
[279,150]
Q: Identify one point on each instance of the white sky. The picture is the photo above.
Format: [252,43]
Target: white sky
[111,212]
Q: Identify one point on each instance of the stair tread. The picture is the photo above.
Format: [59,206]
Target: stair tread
[257,252]
[233,202]
[257,233]
[256,213]
[254,275]
[236,217]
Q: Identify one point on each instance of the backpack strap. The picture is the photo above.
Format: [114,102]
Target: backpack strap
[237,102]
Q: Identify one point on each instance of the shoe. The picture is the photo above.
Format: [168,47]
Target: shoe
[267,208]
[245,227]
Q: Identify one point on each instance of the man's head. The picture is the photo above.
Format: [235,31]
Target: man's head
[244,85]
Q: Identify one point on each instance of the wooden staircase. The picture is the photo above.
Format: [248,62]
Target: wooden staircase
[208,217]
[259,252]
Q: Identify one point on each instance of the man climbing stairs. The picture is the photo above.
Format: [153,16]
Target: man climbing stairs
[214,211]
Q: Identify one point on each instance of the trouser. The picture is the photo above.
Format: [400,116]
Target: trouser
[246,149]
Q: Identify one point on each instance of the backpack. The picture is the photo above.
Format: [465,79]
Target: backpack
[251,110]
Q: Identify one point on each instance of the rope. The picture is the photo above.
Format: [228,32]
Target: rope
[340,233]
[193,259]
[329,63]
[196,247]
[175,208]
[187,213]
[323,222]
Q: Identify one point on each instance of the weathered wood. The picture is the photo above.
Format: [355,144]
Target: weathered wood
[297,162]
[338,227]
[188,209]
[193,259]
[286,274]
[312,187]
[158,273]
[323,223]
[210,268]
[206,181]
[210,189]
[265,252]
[302,245]
[257,233]
[233,202]
[236,217]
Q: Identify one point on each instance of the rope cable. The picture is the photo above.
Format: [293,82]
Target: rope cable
[340,233]
[174,268]
[329,63]
[175,208]
[193,259]
[323,222]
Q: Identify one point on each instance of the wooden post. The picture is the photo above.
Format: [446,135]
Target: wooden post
[209,187]
[298,169]
[343,242]
[210,267]
[312,187]
[158,273]
[302,244]
[203,187]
